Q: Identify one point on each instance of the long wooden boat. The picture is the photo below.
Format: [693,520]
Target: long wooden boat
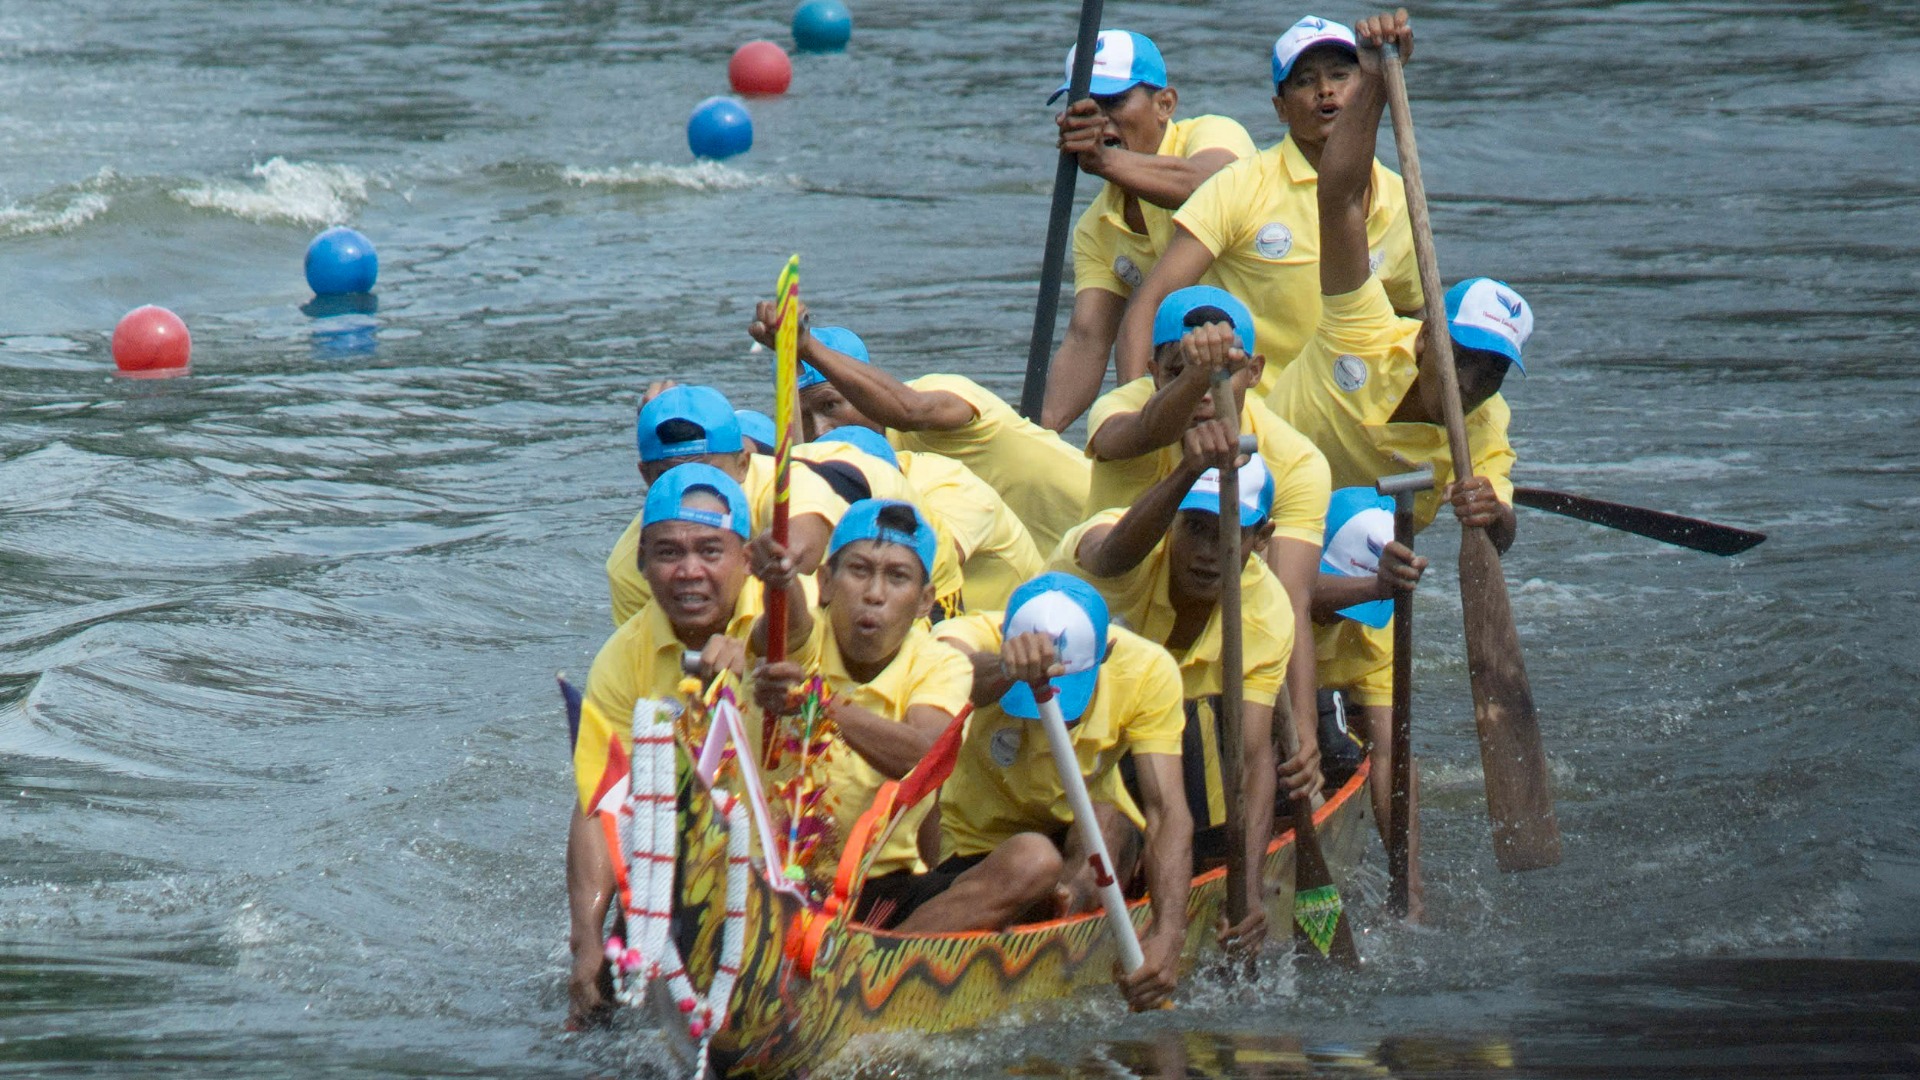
[785,1019]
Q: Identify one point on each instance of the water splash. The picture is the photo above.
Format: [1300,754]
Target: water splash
[306,192]
[700,176]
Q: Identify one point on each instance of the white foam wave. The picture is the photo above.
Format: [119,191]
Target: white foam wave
[52,215]
[307,192]
[700,176]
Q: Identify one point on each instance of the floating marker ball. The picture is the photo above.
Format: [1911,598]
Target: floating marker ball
[822,26]
[341,261]
[151,342]
[719,128]
[760,67]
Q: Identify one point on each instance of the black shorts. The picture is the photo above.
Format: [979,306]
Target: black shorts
[887,900]
[1341,751]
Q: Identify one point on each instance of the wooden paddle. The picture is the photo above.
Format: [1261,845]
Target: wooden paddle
[1525,834]
[1658,525]
[1400,795]
[1065,173]
[1232,668]
[1067,764]
[786,395]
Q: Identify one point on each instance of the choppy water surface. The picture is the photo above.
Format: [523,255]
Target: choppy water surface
[282,776]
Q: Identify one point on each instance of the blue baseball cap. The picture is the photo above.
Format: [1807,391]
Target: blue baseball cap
[840,340]
[863,439]
[757,426]
[1170,322]
[1122,60]
[1486,314]
[703,407]
[1305,34]
[667,497]
[1256,493]
[1075,615]
[1359,528]
[862,522]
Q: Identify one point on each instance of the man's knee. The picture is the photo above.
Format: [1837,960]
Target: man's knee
[1026,865]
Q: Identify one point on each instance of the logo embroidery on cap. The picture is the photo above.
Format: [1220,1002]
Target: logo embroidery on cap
[1004,747]
[1350,373]
[1374,261]
[1125,270]
[1315,23]
[1512,306]
[1273,241]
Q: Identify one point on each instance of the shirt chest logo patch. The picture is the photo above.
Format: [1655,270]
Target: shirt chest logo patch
[1125,270]
[1273,241]
[1004,747]
[1374,261]
[1350,373]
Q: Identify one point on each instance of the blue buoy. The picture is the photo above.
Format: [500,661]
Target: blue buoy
[341,261]
[719,128]
[822,26]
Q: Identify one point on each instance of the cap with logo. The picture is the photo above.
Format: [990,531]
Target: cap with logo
[1359,528]
[840,340]
[667,499]
[864,439]
[1486,314]
[1074,615]
[1122,60]
[701,406]
[757,426]
[1256,493]
[1305,34]
[862,522]
[1170,321]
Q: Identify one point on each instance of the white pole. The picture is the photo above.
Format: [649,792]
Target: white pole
[1068,765]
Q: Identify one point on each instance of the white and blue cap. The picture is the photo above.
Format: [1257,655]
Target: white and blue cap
[1256,493]
[1170,322]
[1359,528]
[1305,34]
[840,340]
[1122,60]
[757,426]
[864,439]
[1486,314]
[1068,610]
[667,499]
[862,522]
[704,408]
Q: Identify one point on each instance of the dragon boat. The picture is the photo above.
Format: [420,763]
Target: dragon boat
[753,972]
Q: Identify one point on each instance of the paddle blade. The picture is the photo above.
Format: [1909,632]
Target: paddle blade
[1525,834]
[1319,916]
[1686,532]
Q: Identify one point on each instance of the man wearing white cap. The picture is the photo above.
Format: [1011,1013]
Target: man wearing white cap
[1124,133]
[1005,830]
[1357,389]
[1157,563]
[1253,229]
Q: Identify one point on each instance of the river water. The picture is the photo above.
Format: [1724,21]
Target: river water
[283,779]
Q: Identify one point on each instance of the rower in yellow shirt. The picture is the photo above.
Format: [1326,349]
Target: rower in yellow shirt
[1358,389]
[1253,229]
[1157,563]
[697,423]
[1124,132]
[1006,835]
[1042,479]
[893,688]
[694,530]
[1136,441]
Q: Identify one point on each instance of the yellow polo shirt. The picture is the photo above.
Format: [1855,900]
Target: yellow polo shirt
[642,660]
[997,554]
[1041,477]
[1301,486]
[807,494]
[1260,216]
[1351,377]
[1109,255]
[887,482]
[923,672]
[1266,644]
[1004,782]
[1356,658]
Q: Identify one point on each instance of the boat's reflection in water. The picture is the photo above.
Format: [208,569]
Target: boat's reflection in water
[1180,1055]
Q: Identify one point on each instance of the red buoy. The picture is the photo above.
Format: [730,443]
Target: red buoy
[760,67]
[151,343]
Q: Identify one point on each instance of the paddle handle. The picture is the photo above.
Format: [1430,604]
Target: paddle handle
[1067,764]
[1066,172]
[1400,795]
[1232,669]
